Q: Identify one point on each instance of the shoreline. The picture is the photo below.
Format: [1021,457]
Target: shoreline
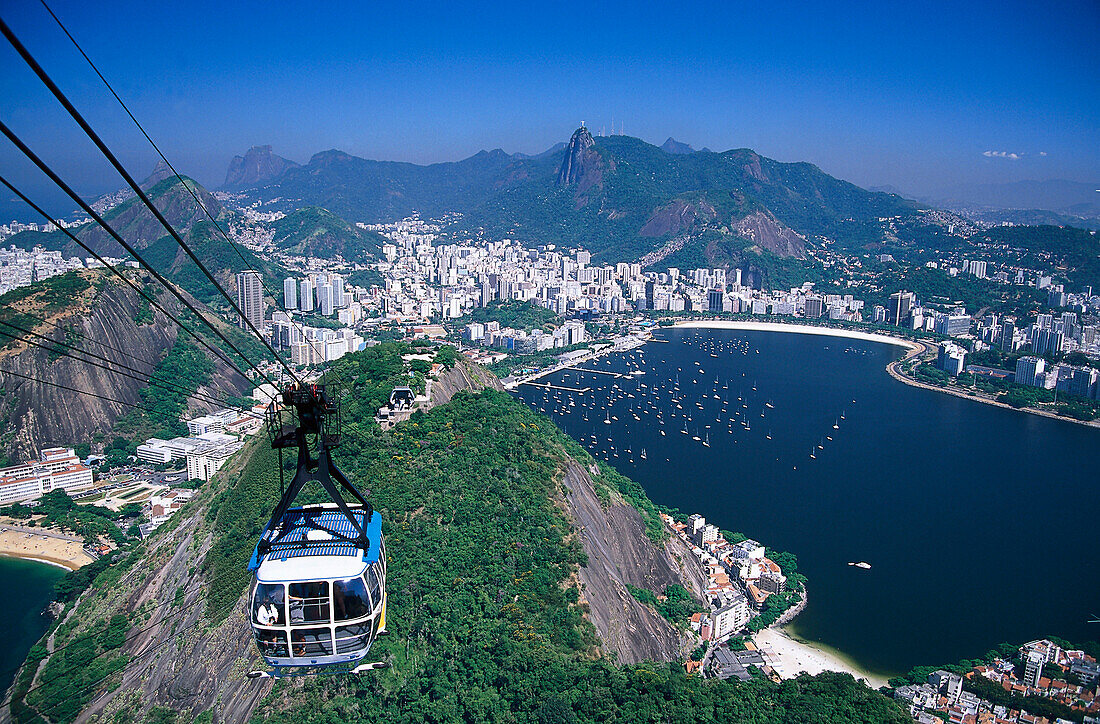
[915,348]
[53,551]
[789,655]
[46,561]
[796,329]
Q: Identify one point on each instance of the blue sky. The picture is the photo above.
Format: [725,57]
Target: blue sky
[922,96]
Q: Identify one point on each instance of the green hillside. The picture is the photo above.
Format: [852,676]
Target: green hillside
[486,620]
[314,231]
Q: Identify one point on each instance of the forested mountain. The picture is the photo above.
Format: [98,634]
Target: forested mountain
[362,190]
[619,196]
[317,232]
[510,551]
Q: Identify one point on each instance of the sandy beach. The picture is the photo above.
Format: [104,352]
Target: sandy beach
[789,658]
[797,329]
[44,549]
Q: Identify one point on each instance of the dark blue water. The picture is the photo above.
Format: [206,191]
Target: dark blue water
[979,522]
[27,587]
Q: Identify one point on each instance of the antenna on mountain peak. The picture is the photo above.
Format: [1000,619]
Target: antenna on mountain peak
[582,124]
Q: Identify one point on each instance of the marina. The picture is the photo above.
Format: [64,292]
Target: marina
[804,441]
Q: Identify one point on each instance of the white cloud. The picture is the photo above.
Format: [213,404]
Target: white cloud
[1003,154]
[1042,153]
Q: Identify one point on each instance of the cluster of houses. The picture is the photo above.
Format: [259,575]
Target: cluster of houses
[163,505]
[740,577]
[1044,670]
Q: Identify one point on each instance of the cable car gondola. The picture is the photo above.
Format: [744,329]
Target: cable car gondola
[318,597]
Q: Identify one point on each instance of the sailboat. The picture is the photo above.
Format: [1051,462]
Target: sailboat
[812,456]
[769,404]
[607,418]
[642,455]
[836,425]
[706,441]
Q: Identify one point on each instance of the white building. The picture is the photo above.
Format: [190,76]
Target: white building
[728,619]
[290,293]
[57,468]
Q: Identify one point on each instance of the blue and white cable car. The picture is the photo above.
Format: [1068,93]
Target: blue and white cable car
[318,597]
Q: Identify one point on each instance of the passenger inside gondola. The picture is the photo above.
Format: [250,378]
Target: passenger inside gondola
[309,602]
[273,643]
[350,599]
[268,603]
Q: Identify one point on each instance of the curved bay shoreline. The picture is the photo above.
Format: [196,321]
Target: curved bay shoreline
[893,369]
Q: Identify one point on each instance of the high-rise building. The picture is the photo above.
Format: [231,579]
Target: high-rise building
[951,358]
[250,298]
[337,282]
[898,310]
[813,308]
[1008,333]
[305,302]
[1047,340]
[714,300]
[1033,668]
[953,325]
[325,298]
[1029,371]
[290,293]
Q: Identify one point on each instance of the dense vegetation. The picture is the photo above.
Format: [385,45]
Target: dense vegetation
[513,313]
[184,367]
[676,604]
[88,521]
[317,232]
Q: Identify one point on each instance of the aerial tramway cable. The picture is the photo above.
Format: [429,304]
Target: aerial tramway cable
[125,245]
[110,156]
[168,163]
[68,330]
[220,354]
[73,389]
[125,371]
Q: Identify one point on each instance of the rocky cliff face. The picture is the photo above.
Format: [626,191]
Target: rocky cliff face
[37,415]
[582,165]
[463,376]
[255,168]
[767,232]
[619,553]
[678,217]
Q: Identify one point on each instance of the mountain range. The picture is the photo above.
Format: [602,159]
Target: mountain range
[618,196]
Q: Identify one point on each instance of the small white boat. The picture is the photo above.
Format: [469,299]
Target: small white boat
[862,564]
